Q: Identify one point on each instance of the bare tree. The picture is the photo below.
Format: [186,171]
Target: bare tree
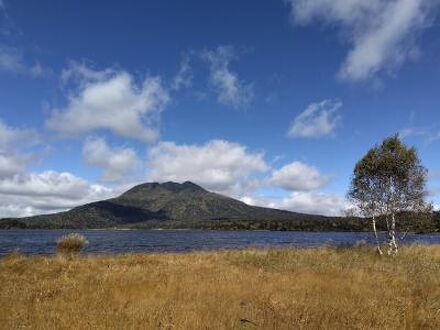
[387,181]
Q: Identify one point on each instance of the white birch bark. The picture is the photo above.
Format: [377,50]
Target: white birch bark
[379,250]
[392,244]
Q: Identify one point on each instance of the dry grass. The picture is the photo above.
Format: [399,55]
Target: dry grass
[265,289]
[71,243]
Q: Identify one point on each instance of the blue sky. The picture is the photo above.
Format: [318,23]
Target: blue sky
[271,102]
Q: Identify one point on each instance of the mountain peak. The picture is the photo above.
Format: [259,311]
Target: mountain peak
[170,186]
[177,187]
[192,185]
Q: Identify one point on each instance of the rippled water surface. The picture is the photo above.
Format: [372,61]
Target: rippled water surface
[124,241]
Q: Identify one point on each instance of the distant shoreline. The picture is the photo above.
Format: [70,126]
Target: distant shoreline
[219,230]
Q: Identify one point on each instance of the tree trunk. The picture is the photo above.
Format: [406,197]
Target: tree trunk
[392,245]
[379,250]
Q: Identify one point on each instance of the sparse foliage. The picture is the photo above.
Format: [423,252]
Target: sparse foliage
[71,243]
[387,181]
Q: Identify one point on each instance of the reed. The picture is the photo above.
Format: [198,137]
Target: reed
[71,244]
[333,288]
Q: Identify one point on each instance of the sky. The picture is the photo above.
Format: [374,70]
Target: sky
[271,102]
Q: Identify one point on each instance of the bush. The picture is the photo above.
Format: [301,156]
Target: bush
[71,243]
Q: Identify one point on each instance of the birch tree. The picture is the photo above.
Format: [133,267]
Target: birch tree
[387,181]
[364,190]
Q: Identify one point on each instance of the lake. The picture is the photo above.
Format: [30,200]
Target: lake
[126,241]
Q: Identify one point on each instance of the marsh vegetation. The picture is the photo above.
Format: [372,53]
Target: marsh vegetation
[238,289]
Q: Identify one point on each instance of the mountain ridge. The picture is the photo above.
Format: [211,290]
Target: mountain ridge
[180,205]
[152,201]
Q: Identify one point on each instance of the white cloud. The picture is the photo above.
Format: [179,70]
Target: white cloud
[49,191]
[230,89]
[315,203]
[117,163]
[382,33]
[23,193]
[183,78]
[255,200]
[318,119]
[12,140]
[14,211]
[110,100]
[303,181]
[50,183]
[11,164]
[83,75]
[217,165]
[298,176]
[428,134]
[11,60]
[409,131]
[310,202]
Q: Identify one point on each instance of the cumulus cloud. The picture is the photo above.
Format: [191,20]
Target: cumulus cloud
[303,182]
[34,193]
[382,33]
[11,164]
[318,119]
[116,163]
[229,168]
[23,193]
[230,89]
[14,211]
[218,165]
[309,202]
[11,137]
[49,183]
[314,203]
[110,100]
[298,176]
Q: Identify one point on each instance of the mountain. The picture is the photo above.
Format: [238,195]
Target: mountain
[185,205]
[167,204]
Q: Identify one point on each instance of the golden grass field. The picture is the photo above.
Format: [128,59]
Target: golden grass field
[330,288]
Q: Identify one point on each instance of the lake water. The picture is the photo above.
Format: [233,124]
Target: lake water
[125,241]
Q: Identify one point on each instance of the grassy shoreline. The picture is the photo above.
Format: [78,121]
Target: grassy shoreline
[234,289]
